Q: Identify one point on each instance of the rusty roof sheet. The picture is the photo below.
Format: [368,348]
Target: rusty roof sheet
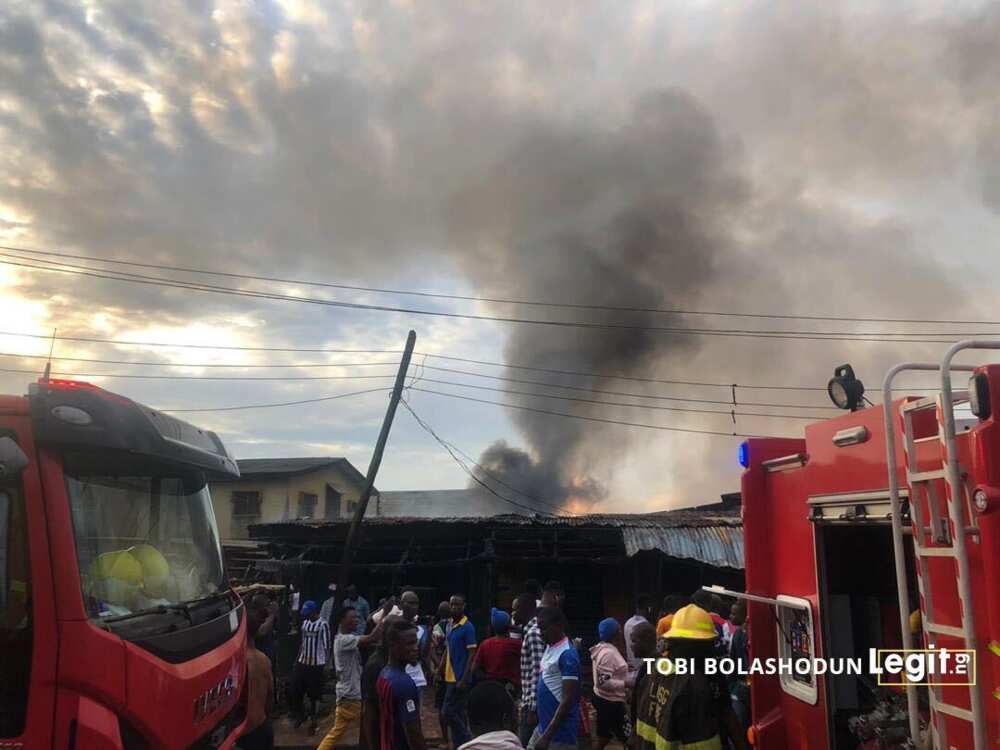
[663,519]
[721,546]
[713,538]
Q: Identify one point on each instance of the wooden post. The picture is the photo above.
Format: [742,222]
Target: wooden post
[366,493]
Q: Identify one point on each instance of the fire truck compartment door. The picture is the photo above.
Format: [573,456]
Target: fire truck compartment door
[802,606]
[855,507]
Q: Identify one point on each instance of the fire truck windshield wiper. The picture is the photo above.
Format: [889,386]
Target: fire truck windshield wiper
[159,609]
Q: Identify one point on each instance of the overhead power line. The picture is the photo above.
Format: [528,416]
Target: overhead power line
[452,452]
[243,407]
[467,360]
[619,393]
[196,378]
[873,336]
[585,418]
[94,360]
[655,407]
[496,300]
[311,378]
[221,347]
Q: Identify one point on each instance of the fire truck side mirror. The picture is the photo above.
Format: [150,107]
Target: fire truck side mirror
[12,458]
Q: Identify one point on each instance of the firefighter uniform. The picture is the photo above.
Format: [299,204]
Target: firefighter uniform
[681,711]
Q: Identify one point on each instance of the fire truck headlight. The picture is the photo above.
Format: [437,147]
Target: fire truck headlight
[979,395]
[845,390]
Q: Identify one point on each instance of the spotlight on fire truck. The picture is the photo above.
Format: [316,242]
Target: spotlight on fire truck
[979,395]
[845,390]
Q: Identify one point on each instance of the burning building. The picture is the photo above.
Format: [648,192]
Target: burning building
[604,561]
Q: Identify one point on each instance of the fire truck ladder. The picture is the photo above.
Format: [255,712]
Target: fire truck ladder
[947,544]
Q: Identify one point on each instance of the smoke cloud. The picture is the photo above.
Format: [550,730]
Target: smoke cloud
[785,157]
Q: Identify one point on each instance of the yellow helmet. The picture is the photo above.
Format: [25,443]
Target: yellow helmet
[119,565]
[693,623]
[154,564]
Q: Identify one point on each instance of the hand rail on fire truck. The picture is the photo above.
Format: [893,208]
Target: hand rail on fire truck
[898,542]
[954,479]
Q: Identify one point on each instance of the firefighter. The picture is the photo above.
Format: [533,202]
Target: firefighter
[689,707]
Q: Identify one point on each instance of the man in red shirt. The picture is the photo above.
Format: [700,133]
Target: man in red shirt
[499,657]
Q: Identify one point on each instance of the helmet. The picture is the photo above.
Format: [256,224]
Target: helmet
[154,564]
[155,568]
[693,623]
[120,565]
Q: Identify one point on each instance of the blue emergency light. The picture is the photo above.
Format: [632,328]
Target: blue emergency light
[745,454]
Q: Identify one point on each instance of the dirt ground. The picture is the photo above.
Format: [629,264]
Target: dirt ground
[287,737]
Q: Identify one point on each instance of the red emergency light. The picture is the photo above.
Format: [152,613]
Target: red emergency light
[55,384]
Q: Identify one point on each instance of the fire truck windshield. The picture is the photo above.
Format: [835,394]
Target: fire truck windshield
[145,535]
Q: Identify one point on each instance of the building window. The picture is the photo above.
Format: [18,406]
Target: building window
[797,641]
[307,504]
[332,503]
[246,511]
[352,506]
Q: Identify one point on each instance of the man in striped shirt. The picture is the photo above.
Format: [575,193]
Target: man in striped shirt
[532,650]
[307,675]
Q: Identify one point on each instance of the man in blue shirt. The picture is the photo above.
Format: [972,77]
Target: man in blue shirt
[459,649]
[558,687]
[360,605]
[399,702]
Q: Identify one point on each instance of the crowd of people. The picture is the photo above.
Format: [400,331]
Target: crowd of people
[530,683]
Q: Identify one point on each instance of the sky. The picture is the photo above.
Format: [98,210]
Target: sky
[781,158]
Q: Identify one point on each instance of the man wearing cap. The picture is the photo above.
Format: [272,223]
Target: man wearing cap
[610,672]
[499,657]
[307,675]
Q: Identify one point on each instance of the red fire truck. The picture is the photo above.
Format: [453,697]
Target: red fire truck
[118,628]
[879,530]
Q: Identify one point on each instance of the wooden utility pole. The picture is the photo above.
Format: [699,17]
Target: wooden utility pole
[366,493]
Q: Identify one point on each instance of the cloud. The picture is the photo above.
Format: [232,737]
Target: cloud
[770,156]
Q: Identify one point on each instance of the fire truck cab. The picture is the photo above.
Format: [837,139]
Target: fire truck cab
[880,529]
[118,628]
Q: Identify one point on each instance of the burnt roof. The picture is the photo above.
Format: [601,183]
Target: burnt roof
[286,467]
[711,537]
[659,519]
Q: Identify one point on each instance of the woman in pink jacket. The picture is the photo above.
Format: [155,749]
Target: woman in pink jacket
[610,670]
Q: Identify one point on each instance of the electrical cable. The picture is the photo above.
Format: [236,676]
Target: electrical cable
[468,360]
[496,300]
[592,419]
[810,418]
[244,407]
[874,336]
[451,451]
[197,364]
[311,378]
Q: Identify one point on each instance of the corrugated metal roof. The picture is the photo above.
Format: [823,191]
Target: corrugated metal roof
[663,519]
[715,545]
[714,538]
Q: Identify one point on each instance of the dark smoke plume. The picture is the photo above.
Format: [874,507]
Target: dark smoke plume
[632,217]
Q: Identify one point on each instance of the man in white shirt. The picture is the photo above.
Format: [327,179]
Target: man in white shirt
[409,602]
[347,660]
[307,675]
[642,614]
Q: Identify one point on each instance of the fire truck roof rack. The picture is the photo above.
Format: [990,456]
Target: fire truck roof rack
[924,483]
